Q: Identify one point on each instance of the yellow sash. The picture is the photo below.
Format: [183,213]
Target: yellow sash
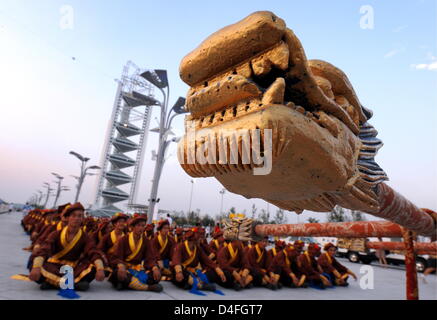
[287,261]
[67,245]
[216,243]
[114,241]
[260,255]
[329,258]
[135,249]
[192,255]
[308,257]
[176,238]
[59,226]
[232,253]
[274,251]
[100,236]
[162,243]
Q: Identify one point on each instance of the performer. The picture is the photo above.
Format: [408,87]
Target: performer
[58,221]
[309,267]
[149,231]
[25,222]
[284,269]
[299,245]
[109,241]
[247,245]
[332,269]
[203,243]
[279,246]
[178,235]
[90,225]
[70,246]
[35,217]
[257,265]
[47,216]
[231,260]
[191,266]
[134,261]
[103,229]
[163,244]
[216,243]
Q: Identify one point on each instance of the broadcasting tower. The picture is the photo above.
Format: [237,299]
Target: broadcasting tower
[126,139]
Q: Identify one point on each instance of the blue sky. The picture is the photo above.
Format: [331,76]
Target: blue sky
[52,103]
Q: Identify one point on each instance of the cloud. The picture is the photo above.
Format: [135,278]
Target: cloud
[425,66]
[400,28]
[392,53]
[432,66]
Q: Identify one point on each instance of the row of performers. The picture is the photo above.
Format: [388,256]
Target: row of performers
[131,257]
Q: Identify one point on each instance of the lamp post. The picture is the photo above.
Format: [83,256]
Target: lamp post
[83,172]
[58,191]
[40,197]
[49,189]
[222,192]
[159,79]
[191,195]
[33,199]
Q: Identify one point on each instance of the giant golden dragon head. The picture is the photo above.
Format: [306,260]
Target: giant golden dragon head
[253,93]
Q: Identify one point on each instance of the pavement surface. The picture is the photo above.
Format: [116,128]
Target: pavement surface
[388,283]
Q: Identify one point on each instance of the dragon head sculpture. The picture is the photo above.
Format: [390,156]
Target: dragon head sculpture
[254,75]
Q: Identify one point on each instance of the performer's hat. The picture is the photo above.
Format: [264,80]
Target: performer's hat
[191,234]
[179,231]
[290,248]
[118,216]
[299,243]
[162,223]
[137,220]
[70,208]
[280,244]
[314,247]
[62,207]
[150,227]
[329,246]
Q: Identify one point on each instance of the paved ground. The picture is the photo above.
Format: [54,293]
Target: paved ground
[389,284]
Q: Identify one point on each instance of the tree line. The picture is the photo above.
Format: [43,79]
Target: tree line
[278,216]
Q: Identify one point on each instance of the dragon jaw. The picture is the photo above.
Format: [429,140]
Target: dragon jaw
[255,75]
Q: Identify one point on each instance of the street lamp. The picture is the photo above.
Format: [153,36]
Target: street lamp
[191,195]
[33,199]
[58,192]
[160,80]
[83,172]
[40,197]
[222,192]
[49,189]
